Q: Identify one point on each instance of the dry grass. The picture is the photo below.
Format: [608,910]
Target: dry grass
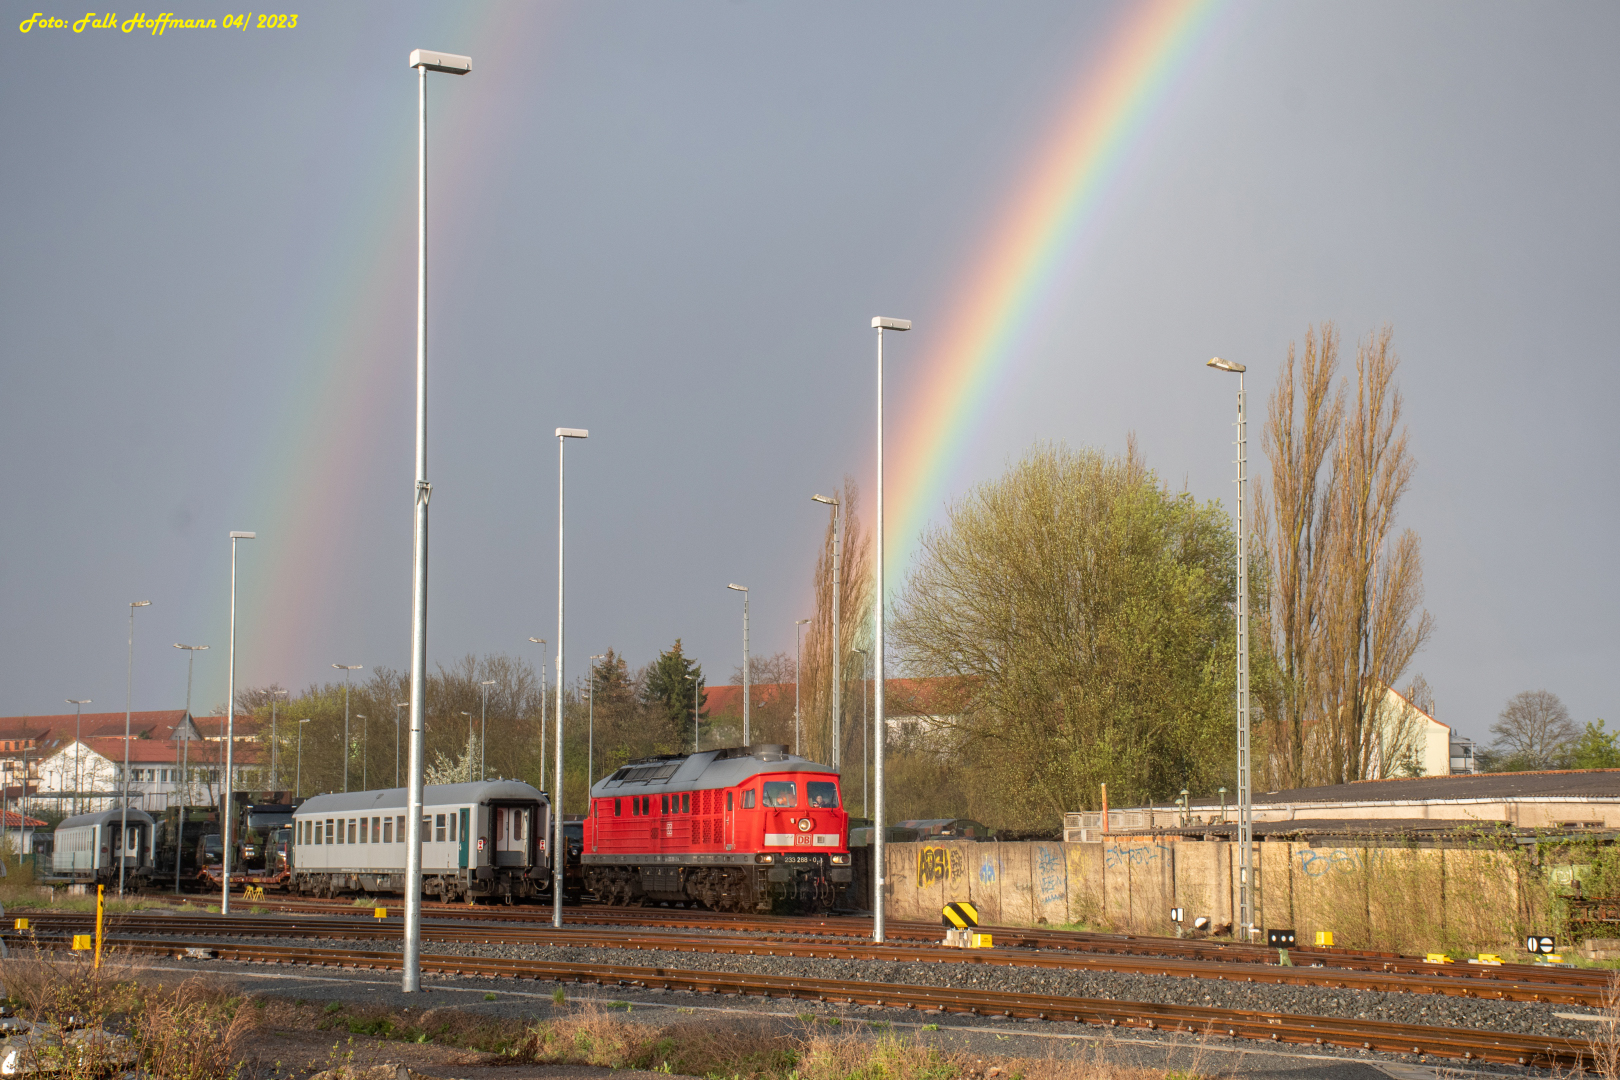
[726,1051]
[94,1021]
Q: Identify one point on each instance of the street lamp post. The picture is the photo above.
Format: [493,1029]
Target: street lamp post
[346,668]
[560,851]
[1245,919]
[185,766]
[798,656]
[274,759]
[129,699]
[365,751]
[483,730]
[879,324]
[837,641]
[78,738]
[230,742]
[590,740]
[300,772]
[747,739]
[424,61]
[542,641]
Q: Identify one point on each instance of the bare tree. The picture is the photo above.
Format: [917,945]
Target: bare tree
[1535,728]
[1375,623]
[854,631]
[1301,428]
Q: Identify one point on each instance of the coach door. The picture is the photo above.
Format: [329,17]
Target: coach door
[464,838]
[513,829]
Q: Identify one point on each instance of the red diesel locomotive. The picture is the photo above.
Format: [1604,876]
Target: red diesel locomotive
[749,828]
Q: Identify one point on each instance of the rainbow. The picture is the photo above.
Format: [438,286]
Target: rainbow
[350,380]
[1020,266]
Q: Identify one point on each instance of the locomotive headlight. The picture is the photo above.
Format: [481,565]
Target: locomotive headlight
[764,858]
[840,860]
[805,824]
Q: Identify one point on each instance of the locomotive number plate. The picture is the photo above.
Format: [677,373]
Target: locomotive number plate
[799,860]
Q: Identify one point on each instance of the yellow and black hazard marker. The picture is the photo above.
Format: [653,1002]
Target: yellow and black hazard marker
[960,915]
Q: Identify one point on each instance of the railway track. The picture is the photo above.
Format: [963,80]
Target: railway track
[1553,986]
[1467,1045]
[1472,979]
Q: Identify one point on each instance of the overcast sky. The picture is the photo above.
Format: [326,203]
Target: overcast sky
[671,224]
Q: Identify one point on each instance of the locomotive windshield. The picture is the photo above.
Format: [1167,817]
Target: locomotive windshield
[822,795]
[781,793]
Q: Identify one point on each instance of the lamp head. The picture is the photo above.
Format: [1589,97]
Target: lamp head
[305,720]
[538,640]
[600,656]
[349,667]
[824,499]
[573,433]
[401,704]
[487,682]
[193,648]
[140,603]
[76,701]
[1224,365]
[739,588]
[244,536]
[800,622]
[449,63]
[880,323]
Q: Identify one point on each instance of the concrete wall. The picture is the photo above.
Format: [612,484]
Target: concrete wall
[1406,899]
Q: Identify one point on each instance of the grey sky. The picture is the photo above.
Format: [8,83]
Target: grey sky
[671,224]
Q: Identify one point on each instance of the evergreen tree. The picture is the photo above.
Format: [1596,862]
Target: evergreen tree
[670,687]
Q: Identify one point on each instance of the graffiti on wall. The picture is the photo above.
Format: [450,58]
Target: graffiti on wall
[1135,855]
[989,870]
[1314,863]
[937,864]
[1051,875]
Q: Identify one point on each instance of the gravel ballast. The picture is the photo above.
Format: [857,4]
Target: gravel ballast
[1436,1010]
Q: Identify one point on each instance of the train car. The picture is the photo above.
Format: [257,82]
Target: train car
[87,849]
[480,840]
[749,828]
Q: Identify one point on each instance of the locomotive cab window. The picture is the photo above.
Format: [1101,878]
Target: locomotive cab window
[781,793]
[821,794]
[728,800]
[748,800]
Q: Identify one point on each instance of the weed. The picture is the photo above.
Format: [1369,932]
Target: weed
[625,1005]
[930,1027]
[558,997]
[489,997]
[336,1006]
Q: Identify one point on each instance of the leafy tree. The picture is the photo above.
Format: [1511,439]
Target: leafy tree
[1084,613]
[671,685]
[1596,749]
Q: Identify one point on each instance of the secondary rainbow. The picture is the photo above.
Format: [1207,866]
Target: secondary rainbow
[1017,270]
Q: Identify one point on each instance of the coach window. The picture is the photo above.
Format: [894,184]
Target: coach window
[748,799]
[351,830]
[453,828]
[388,830]
[686,804]
[615,807]
[438,828]
[376,834]
[399,829]
[365,833]
[427,829]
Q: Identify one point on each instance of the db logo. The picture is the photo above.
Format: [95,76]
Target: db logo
[801,840]
[481,842]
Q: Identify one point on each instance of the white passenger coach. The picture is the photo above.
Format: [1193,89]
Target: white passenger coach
[483,839]
[88,846]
